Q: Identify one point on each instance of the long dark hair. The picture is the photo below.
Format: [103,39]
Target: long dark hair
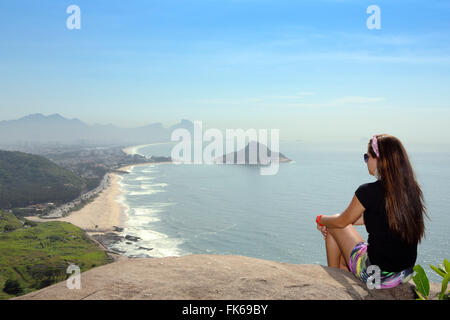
[405,205]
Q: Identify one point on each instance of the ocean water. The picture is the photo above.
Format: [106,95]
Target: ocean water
[232,209]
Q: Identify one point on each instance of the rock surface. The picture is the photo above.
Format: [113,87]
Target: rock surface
[225,277]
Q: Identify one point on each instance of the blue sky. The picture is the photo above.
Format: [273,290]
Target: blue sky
[311,68]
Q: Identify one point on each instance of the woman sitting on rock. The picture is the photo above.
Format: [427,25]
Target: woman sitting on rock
[392,209]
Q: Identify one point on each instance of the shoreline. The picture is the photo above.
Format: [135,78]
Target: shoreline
[106,212]
[133,149]
[99,216]
[130,167]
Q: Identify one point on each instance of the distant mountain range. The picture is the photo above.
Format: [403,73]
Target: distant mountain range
[55,128]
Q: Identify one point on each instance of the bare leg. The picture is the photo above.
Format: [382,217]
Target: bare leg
[346,238]
[333,252]
[335,258]
[343,264]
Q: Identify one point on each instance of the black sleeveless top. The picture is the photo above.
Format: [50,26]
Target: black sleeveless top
[385,249]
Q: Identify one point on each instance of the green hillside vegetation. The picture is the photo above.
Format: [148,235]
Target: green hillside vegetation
[36,255]
[8,222]
[29,179]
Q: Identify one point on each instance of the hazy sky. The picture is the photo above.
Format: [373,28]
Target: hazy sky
[311,68]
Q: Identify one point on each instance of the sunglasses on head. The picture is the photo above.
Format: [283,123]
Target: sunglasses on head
[366,157]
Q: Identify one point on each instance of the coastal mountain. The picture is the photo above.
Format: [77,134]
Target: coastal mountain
[54,128]
[27,179]
[245,154]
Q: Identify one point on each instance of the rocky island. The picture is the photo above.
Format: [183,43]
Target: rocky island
[244,154]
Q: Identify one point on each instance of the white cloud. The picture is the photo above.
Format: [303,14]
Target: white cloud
[357,99]
[292,101]
[255,100]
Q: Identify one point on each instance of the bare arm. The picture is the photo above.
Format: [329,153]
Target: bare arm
[351,215]
[359,222]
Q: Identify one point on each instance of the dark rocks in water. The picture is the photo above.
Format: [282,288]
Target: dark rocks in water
[120,171]
[244,154]
[144,248]
[132,238]
[118,229]
[128,242]
[117,250]
[108,239]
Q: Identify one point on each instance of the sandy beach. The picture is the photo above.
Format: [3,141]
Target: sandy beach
[101,215]
[105,211]
[134,149]
[131,166]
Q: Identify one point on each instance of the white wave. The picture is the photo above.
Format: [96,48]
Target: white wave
[120,181]
[146,211]
[161,244]
[140,221]
[143,178]
[150,186]
[121,199]
[143,193]
[162,204]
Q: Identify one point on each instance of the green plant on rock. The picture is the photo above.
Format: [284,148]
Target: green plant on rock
[12,287]
[423,284]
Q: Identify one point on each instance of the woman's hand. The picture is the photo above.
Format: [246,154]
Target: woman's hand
[324,231]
